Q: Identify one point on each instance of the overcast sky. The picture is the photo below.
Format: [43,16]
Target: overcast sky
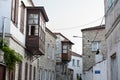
[70,16]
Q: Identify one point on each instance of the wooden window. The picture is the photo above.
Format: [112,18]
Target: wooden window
[30,73]
[22,18]
[2,72]
[11,75]
[65,48]
[33,30]
[14,16]
[20,72]
[26,71]
[34,74]
[33,19]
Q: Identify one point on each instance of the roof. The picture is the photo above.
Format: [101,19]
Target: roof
[75,54]
[42,9]
[65,39]
[50,32]
[94,28]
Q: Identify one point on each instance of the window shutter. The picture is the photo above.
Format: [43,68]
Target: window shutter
[14,16]
[13,10]
[22,18]
[16,11]
[26,71]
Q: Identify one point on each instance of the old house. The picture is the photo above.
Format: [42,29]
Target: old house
[47,63]
[112,24]
[24,30]
[94,48]
[76,65]
[63,57]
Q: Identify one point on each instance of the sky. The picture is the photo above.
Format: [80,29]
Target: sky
[70,16]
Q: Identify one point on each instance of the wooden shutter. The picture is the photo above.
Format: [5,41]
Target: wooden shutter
[20,72]
[2,72]
[16,12]
[22,18]
[30,73]
[13,10]
[12,75]
[34,74]
[26,71]
[14,16]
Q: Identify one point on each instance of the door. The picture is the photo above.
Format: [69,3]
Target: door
[2,72]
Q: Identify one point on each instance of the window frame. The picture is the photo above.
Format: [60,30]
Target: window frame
[64,49]
[97,45]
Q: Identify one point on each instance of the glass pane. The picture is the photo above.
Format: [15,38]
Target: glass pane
[35,21]
[64,51]
[36,16]
[31,16]
[64,46]
[30,21]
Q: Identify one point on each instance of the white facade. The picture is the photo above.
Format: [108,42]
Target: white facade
[100,71]
[112,24]
[97,72]
[16,39]
[76,65]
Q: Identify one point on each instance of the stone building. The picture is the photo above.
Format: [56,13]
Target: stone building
[25,33]
[76,65]
[112,24]
[63,57]
[93,40]
[47,63]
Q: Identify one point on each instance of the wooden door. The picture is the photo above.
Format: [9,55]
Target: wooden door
[2,72]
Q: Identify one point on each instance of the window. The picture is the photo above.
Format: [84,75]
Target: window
[65,48]
[33,19]
[20,71]
[49,51]
[95,45]
[30,72]
[33,30]
[34,74]
[22,18]
[45,74]
[40,74]
[73,62]
[26,70]
[78,63]
[14,16]
[112,3]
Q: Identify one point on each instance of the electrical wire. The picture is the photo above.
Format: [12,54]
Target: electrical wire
[74,27]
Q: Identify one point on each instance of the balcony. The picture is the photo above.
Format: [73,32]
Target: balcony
[66,57]
[66,53]
[35,30]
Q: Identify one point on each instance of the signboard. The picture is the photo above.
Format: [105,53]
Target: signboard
[97,71]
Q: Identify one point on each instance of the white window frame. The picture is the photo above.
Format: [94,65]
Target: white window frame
[96,45]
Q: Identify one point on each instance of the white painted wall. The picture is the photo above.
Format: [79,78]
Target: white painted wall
[10,28]
[102,67]
[77,69]
[88,75]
